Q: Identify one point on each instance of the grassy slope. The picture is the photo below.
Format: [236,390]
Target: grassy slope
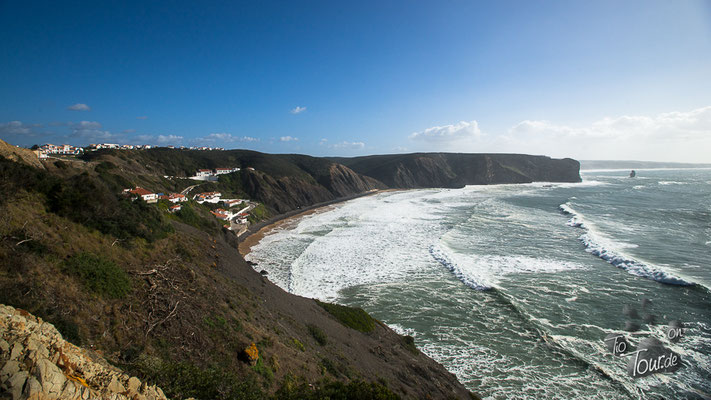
[191,304]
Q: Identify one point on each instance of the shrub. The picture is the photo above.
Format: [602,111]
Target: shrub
[184,380]
[317,333]
[257,214]
[298,344]
[409,343]
[351,317]
[99,275]
[297,388]
[263,370]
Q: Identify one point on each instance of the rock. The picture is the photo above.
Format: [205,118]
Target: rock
[16,383]
[33,389]
[38,364]
[50,376]
[116,386]
[134,385]
[16,351]
[4,347]
[9,369]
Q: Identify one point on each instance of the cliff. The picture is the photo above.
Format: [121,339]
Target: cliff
[453,170]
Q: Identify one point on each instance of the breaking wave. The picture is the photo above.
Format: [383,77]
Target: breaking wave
[597,245]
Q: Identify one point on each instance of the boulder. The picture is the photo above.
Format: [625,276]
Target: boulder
[37,363]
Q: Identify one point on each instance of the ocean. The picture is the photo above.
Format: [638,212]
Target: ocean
[514,288]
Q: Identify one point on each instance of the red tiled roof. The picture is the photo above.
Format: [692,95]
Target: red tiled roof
[141,191]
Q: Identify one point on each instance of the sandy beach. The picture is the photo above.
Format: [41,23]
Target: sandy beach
[255,233]
[249,241]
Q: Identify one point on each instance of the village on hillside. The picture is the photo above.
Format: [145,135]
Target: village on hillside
[235,221]
[43,152]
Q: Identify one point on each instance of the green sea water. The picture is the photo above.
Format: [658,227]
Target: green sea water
[514,287]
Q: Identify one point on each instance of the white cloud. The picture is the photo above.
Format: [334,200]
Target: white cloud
[694,124]
[164,139]
[347,145]
[226,138]
[297,110]
[288,139]
[449,133]
[90,131]
[79,107]
[672,136]
[17,128]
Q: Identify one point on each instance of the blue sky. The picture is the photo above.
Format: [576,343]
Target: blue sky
[590,80]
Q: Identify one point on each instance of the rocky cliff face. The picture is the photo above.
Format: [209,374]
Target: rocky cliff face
[291,192]
[37,363]
[452,170]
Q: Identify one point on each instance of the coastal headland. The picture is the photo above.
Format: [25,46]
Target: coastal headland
[175,304]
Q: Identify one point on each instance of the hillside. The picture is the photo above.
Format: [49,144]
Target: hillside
[168,298]
[453,170]
[281,181]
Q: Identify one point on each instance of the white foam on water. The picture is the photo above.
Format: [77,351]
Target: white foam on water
[672,183]
[483,272]
[400,330]
[601,246]
[367,241]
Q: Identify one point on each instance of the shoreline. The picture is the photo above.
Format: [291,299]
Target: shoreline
[255,233]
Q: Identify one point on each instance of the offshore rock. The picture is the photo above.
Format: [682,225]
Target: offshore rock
[37,363]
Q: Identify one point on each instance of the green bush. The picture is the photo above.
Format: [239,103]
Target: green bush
[257,214]
[351,317]
[317,333]
[264,370]
[184,380]
[409,343]
[298,389]
[99,275]
[87,200]
[189,216]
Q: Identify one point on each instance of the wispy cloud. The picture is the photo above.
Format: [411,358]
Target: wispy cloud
[677,125]
[90,131]
[344,145]
[447,134]
[79,107]
[225,138]
[670,136]
[18,128]
[297,110]
[288,139]
[157,139]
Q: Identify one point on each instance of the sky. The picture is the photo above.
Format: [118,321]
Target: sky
[626,80]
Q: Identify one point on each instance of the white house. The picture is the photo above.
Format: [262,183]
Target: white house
[146,195]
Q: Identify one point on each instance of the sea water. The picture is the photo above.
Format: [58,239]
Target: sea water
[514,287]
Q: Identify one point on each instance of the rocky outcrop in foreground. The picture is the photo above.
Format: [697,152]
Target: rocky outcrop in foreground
[37,363]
